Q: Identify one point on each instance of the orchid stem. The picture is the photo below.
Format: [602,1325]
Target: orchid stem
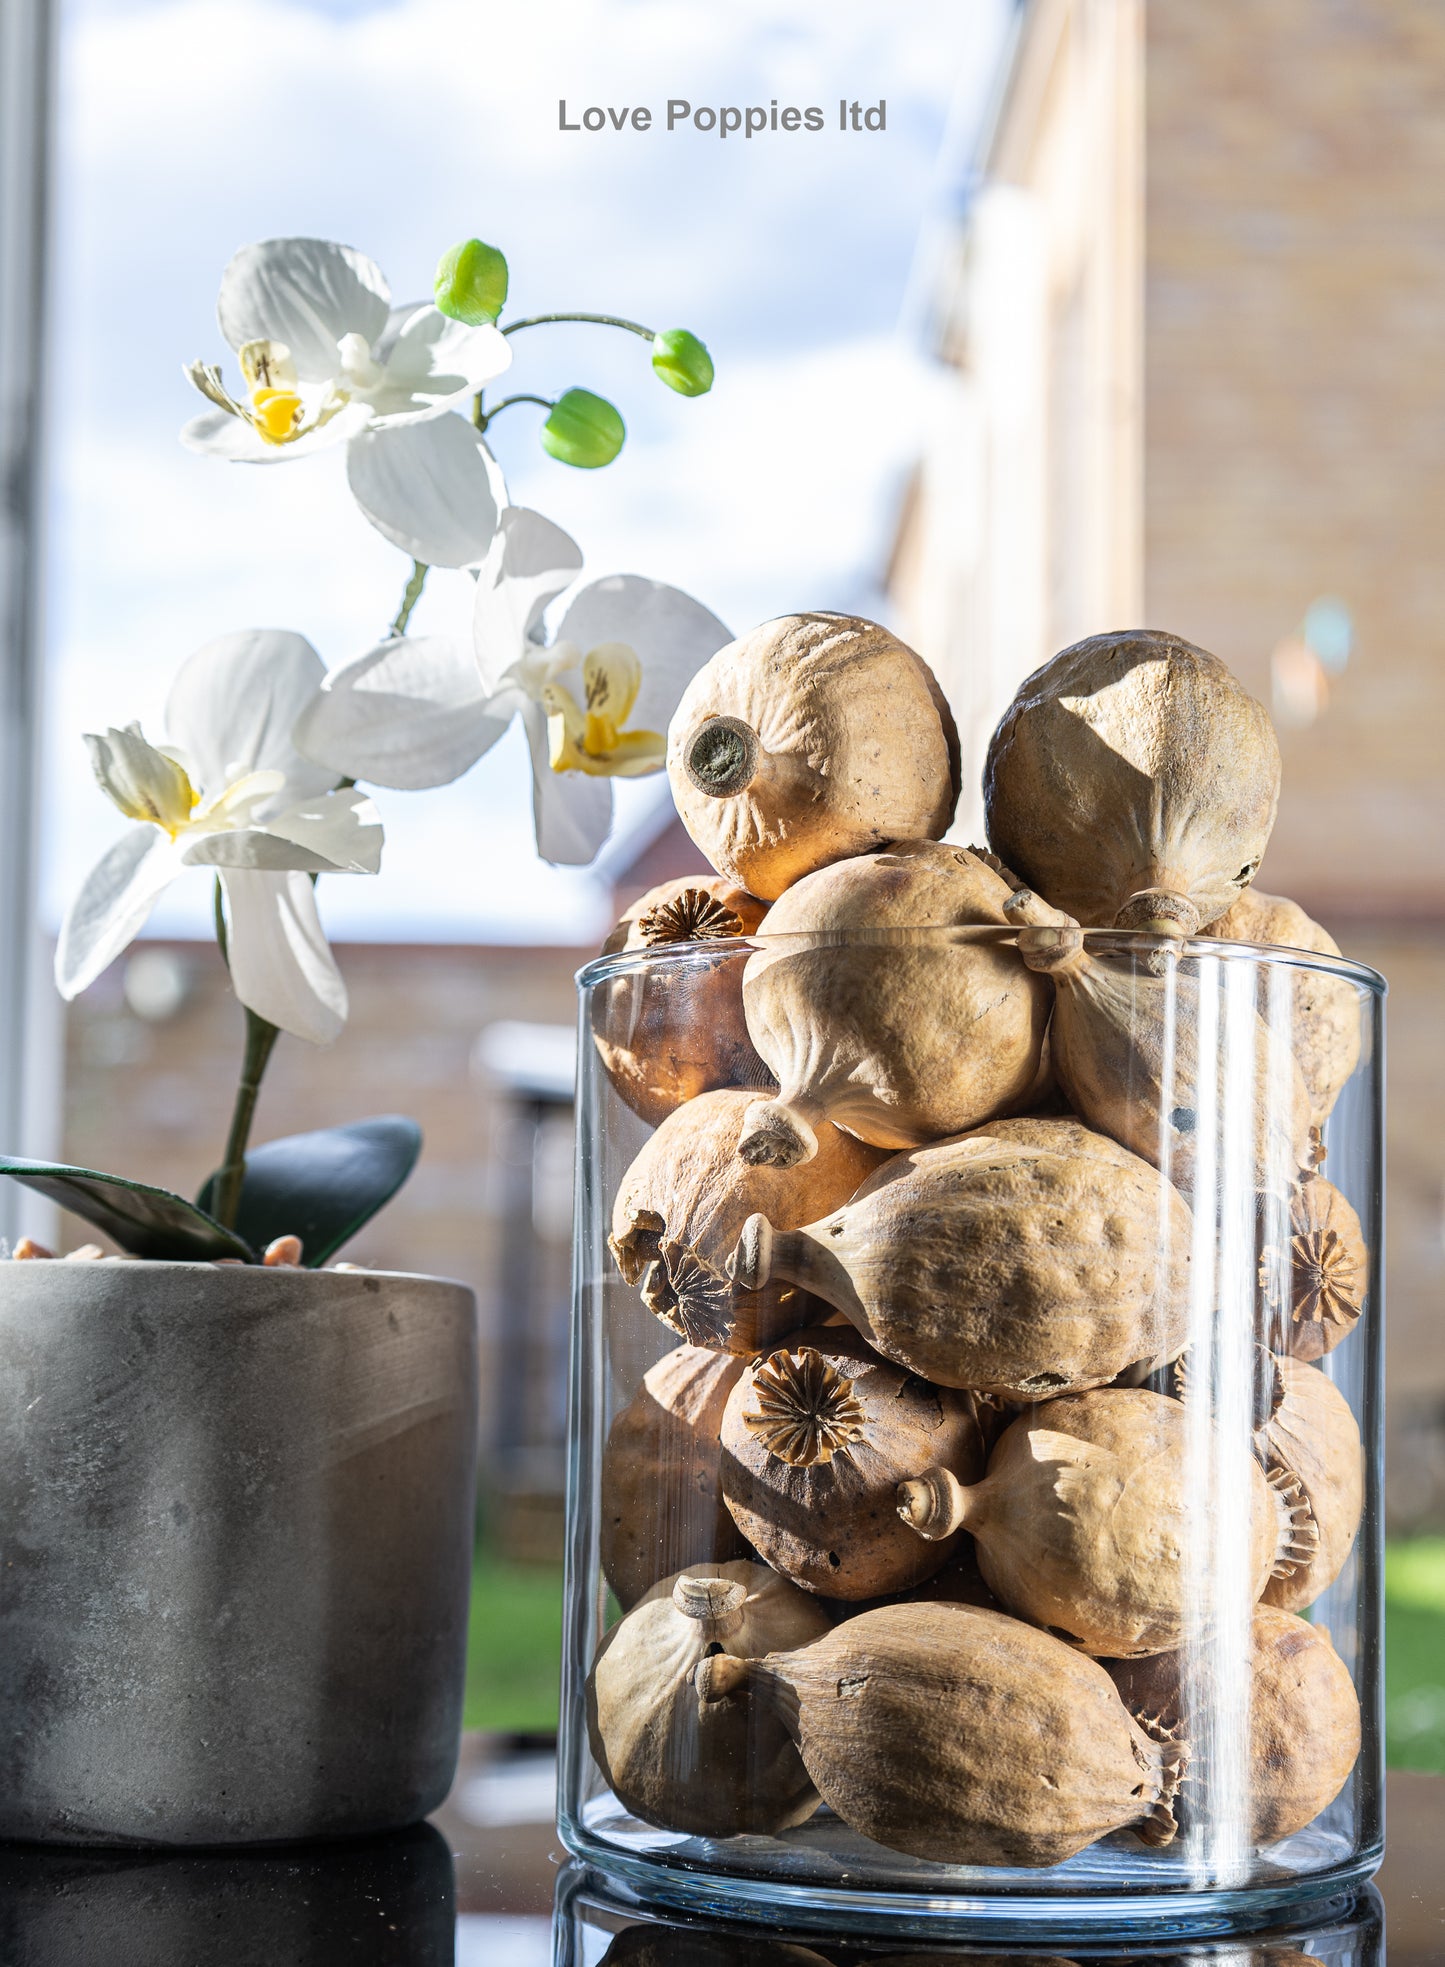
[601,321]
[218,904]
[484,417]
[260,1040]
[410,597]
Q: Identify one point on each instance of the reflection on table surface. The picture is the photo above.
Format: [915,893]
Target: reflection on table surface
[477,1886]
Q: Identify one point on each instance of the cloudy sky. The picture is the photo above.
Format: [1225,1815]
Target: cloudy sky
[189,127]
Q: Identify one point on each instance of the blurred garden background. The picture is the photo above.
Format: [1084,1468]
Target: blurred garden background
[1133,314]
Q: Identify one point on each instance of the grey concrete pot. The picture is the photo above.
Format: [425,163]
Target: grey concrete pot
[235,1549]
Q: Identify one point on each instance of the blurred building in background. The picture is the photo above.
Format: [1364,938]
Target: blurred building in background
[1195,320]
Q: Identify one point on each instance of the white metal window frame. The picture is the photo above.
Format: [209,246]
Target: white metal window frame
[28,1080]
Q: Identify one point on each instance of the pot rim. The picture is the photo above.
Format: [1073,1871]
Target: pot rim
[602,969]
[110,1264]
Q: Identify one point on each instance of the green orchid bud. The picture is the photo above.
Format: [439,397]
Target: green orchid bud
[682,362]
[471,283]
[584,430]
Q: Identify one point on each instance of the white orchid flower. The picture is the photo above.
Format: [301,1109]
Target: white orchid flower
[230,792]
[325,358]
[595,699]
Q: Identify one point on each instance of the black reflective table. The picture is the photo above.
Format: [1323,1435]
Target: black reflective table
[479,1884]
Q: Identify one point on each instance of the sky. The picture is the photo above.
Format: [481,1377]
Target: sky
[187,128]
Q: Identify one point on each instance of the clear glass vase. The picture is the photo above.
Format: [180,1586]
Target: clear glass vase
[977,1533]
[597,1925]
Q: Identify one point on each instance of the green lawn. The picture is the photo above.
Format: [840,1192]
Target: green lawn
[1415,1654]
[514,1647]
[517,1629]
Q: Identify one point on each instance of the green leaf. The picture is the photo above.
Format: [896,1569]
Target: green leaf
[148,1222]
[323,1187]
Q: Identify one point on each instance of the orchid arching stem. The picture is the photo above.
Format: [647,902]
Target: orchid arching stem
[410,596]
[599,320]
[261,1037]
[483,417]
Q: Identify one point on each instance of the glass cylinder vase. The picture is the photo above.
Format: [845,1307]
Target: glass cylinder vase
[976,1530]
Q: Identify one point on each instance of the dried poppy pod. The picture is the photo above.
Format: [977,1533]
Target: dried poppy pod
[816,1438]
[662,1506]
[681,1208]
[1124,1048]
[1025,1259]
[712,1772]
[962,1736]
[1304,1719]
[811,739]
[898,1044]
[1313,1450]
[1133,781]
[672,1030]
[1326,1029]
[1082,1522]
[1314,1267]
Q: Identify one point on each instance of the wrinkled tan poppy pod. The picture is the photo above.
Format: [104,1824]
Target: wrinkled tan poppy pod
[1313,1447]
[1314,1267]
[987,1261]
[1082,1521]
[1133,782]
[674,1763]
[813,738]
[681,1208]
[816,1437]
[1131,1070]
[661,1503]
[1304,1720]
[898,1044]
[962,1736]
[1326,1033]
[674,1030]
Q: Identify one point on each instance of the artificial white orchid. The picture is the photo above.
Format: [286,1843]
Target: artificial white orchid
[230,792]
[595,698]
[325,358]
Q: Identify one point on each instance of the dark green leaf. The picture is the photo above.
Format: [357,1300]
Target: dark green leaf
[323,1187]
[148,1222]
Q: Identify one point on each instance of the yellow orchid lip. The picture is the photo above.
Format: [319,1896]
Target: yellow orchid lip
[594,740]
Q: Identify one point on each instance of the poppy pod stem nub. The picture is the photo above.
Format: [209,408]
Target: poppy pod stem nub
[776,1134]
[1159,912]
[721,756]
[716,1602]
[719,1676]
[1048,940]
[751,1263]
[935,1504]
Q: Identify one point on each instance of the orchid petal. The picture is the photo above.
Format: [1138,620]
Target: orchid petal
[281,966]
[671,633]
[409,714]
[340,833]
[111,909]
[430,488]
[572,813]
[234,704]
[528,564]
[145,782]
[307,293]
[430,359]
[217,434]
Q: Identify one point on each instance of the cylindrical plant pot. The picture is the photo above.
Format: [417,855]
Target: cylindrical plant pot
[981,1529]
[236,1511]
